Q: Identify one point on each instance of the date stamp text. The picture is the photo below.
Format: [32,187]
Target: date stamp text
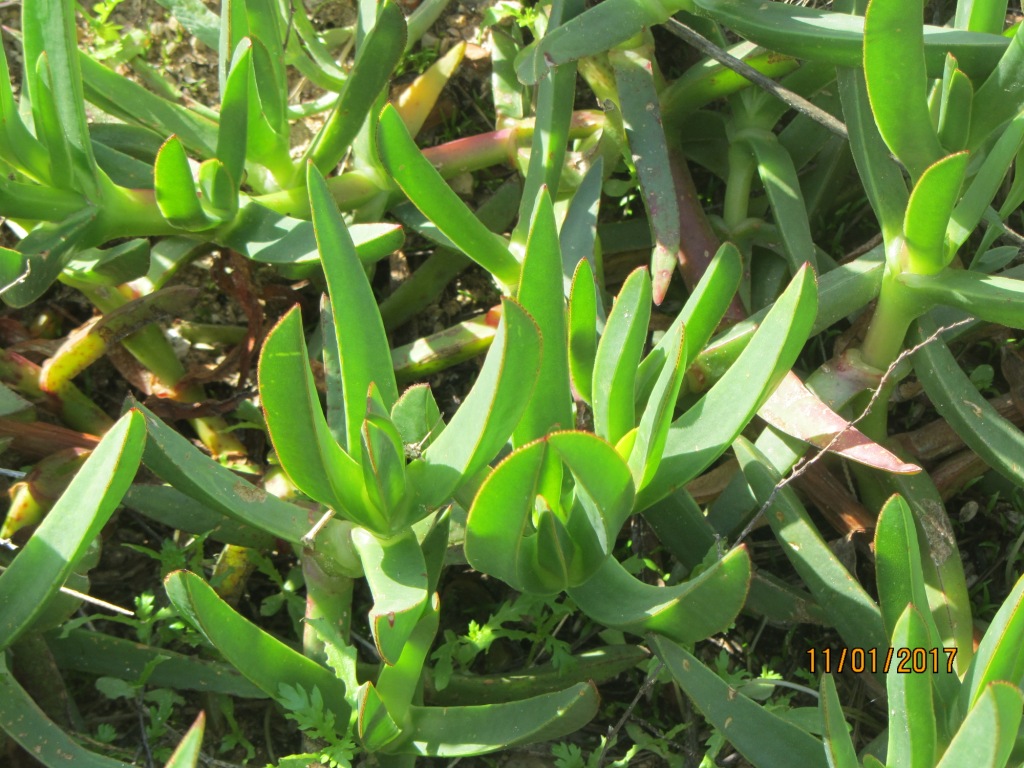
[902,660]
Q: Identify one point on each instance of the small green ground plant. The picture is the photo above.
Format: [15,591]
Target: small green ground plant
[578,425]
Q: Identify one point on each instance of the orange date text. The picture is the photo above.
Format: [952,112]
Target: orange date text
[901,660]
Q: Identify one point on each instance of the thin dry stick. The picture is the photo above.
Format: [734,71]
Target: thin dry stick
[614,730]
[803,465]
[797,102]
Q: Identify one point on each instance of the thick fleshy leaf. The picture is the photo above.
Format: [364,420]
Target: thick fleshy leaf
[398,682]
[177,461]
[701,314]
[383,47]
[991,298]
[652,432]
[474,730]
[106,656]
[839,749]
[218,191]
[541,294]
[48,27]
[999,655]
[765,738]
[898,569]
[503,536]
[583,303]
[186,754]
[882,179]
[912,729]
[1001,95]
[986,183]
[297,425]
[417,417]
[175,189]
[486,418]
[41,566]
[850,609]
[955,107]
[838,38]
[789,211]
[18,146]
[642,117]
[798,412]
[26,274]
[578,235]
[618,356]
[263,659]
[365,356]
[397,576]
[418,98]
[694,610]
[234,114]
[268,237]
[981,15]
[23,720]
[894,42]
[49,128]
[423,185]
[928,213]
[375,725]
[988,434]
[986,737]
[705,431]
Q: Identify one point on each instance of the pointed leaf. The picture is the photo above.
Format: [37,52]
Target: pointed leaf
[928,213]
[583,302]
[186,754]
[365,356]
[692,442]
[618,356]
[1001,96]
[955,107]
[912,737]
[474,730]
[1000,654]
[383,46]
[894,42]
[839,749]
[263,659]
[694,610]
[652,431]
[765,738]
[986,737]
[397,575]
[540,294]
[175,190]
[41,566]
[482,425]
[422,184]
[234,114]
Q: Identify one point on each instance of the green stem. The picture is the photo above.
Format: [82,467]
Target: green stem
[737,188]
[895,311]
[328,597]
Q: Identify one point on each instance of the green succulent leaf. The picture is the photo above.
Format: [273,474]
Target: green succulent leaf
[423,185]
[583,302]
[186,754]
[986,737]
[218,191]
[28,725]
[375,725]
[175,190]
[578,235]
[1001,96]
[694,610]
[482,425]
[956,97]
[174,459]
[642,117]
[618,356]
[264,660]
[234,114]
[850,609]
[397,575]
[365,356]
[999,653]
[318,466]
[912,728]
[40,568]
[704,432]
[839,749]
[838,38]
[757,733]
[894,42]
[417,417]
[928,213]
[383,47]
[474,730]
[522,531]
[540,294]
[981,15]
